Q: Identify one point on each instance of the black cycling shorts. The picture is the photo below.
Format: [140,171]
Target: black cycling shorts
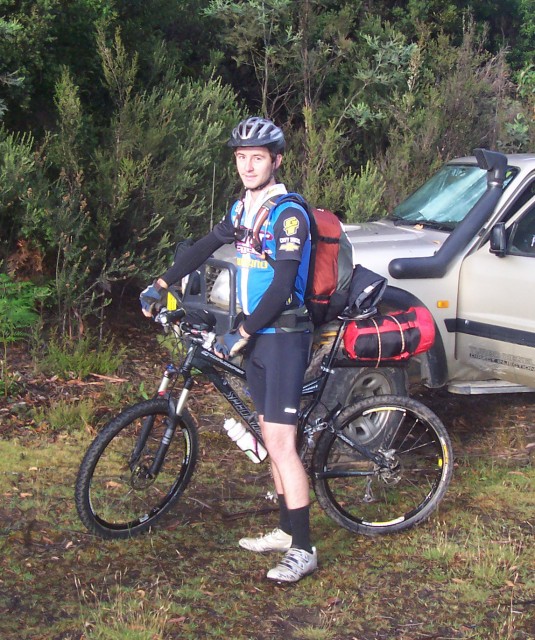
[275,371]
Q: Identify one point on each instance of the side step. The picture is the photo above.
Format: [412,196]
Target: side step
[477,387]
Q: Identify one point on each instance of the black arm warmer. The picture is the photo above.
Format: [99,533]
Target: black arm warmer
[193,257]
[200,251]
[274,299]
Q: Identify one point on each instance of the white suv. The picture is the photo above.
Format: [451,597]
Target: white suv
[463,245]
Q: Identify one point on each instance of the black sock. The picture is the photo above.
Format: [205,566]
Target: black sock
[284,519]
[300,522]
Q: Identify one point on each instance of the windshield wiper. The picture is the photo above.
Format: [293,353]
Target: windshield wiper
[403,221]
[435,224]
[432,224]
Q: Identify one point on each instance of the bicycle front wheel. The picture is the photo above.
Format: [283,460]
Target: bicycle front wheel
[370,498]
[116,495]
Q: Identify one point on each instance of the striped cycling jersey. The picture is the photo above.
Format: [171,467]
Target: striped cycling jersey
[285,235]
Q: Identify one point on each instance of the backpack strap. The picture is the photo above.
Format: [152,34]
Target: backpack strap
[259,220]
[294,320]
[266,209]
[261,217]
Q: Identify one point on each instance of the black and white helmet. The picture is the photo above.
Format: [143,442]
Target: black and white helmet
[258,132]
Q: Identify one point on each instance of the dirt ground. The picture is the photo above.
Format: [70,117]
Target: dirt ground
[501,426]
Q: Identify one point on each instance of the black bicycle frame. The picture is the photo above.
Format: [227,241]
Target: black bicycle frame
[212,366]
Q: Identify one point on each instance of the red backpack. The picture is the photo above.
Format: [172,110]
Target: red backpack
[331,267]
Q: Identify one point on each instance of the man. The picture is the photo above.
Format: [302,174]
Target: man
[273,252]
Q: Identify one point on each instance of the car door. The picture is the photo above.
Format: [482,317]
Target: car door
[495,326]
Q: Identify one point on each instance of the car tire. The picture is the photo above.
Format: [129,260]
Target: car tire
[348,384]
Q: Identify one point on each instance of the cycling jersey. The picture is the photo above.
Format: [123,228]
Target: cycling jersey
[284,235]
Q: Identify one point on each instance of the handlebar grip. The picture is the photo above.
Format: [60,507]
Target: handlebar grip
[173,316]
[168,317]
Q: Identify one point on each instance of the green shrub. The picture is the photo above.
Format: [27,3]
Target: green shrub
[69,416]
[461,98]
[364,193]
[78,359]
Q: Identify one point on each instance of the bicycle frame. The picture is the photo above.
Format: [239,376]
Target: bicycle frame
[356,455]
[200,356]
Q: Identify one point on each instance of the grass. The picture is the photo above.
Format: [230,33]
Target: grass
[79,358]
[123,613]
[66,415]
[467,573]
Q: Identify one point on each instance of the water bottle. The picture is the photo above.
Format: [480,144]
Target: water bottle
[245,440]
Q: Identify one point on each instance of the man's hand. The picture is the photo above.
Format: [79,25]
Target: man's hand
[150,296]
[232,343]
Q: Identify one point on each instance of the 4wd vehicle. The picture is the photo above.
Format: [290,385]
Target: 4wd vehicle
[463,245]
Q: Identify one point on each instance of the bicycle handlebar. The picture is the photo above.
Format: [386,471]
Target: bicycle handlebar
[164,316]
[197,334]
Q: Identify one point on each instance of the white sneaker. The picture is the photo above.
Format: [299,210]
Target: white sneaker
[277,540]
[296,564]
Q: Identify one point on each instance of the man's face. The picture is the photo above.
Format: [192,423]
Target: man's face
[255,165]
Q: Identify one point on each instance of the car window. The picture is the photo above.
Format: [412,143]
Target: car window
[447,197]
[520,201]
[522,240]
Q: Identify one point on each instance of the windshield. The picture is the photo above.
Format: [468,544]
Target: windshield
[445,199]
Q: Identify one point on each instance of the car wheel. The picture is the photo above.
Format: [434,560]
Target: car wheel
[350,384]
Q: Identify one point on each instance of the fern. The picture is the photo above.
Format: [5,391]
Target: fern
[17,315]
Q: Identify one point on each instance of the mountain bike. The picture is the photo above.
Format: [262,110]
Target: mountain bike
[380,465]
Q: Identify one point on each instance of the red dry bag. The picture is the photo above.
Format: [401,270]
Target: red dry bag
[395,336]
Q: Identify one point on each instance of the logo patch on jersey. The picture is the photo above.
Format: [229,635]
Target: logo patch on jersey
[291,225]
[289,246]
[248,262]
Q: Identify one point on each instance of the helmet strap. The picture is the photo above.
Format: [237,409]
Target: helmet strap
[262,186]
[275,165]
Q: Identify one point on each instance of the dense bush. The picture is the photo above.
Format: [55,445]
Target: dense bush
[115,117]
[113,206]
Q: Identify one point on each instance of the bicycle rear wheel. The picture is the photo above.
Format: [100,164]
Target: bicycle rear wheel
[367,498]
[115,495]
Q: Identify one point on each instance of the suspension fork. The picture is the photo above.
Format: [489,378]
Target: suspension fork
[170,372]
[171,422]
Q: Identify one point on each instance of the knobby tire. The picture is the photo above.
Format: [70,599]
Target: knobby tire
[363,498]
[114,496]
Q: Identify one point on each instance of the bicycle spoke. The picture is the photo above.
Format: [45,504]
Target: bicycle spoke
[116,498]
[375,498]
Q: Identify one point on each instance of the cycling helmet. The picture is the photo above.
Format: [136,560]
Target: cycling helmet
[258,132]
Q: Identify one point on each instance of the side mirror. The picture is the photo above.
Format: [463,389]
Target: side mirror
[498,240]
